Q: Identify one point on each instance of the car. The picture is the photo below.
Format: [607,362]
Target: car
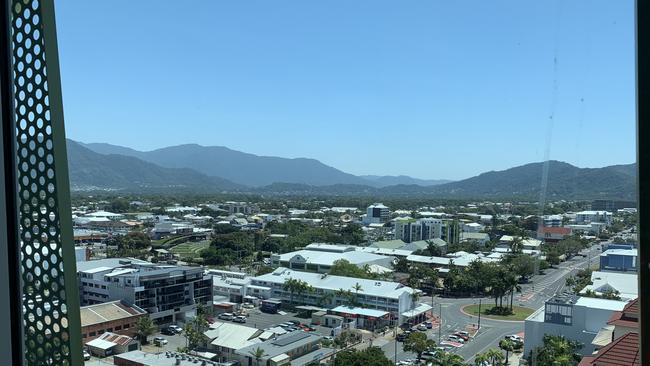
[307,328]
[159,341]
[86,355]
[294,322]
[226,316]
[284,325]
[402,336]
[329,338]
[514,338]
[248,305]
[429,354]
[422,328]
[428,324]
[456,338]
[239,319]
[463,333]
[167,331]
[462,336]
[175,328]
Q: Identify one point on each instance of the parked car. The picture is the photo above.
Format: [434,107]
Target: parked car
[167,331]
[294,322]
[402,336]
[422,328]
[248,305]
[462,336]
[463,333]
[176,329]
[428,324]
[226,316]
[456,338]
[86,355]
[429,354]
[284,325]
[514,338]
[159,341]
[239,319]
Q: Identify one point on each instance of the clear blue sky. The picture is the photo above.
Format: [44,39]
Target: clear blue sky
[431,89]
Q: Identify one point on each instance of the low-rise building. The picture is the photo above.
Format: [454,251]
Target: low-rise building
[331,291]
[114,317]
[111,344]
[226,338]
[481,238]
[625,284]
[319,257]
[553,234]
[168,358]
[587,217]
[295,349]
[621,260]
[575,318]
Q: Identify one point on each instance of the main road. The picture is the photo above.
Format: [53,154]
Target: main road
[533,295]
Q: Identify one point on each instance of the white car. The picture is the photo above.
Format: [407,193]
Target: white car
[159,341]
[86,355]
[226,316]
[515,338]
[175,328]
[239,319]
[456,338]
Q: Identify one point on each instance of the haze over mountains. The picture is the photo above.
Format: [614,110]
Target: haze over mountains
[99,166]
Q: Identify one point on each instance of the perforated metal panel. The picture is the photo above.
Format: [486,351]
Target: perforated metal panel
[50,295]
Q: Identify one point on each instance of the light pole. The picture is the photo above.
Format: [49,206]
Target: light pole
[479,315]
[440,325]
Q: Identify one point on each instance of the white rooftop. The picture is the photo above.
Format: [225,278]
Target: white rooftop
[595,303]
[233,336]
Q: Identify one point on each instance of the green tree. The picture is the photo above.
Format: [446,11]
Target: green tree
[492,357]
[371,356]
[507,345]
[448,359]
[418,343]
[557,351]
[144,327]
[258,353]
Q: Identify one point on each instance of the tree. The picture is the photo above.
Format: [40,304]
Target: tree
[448,359]
[492,357]
[294,286]
[144,327]
[418,343]
[194,331]
[371,356]
[516,245]
[553,259]
[258,353]
[557,351]
[507,345]
[523,265]
[343,267]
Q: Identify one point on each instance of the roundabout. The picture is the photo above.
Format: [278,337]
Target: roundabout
[519,313]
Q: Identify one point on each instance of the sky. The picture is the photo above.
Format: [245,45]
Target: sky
[431,89]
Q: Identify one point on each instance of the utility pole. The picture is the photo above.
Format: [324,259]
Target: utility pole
[395,342]
[479,315]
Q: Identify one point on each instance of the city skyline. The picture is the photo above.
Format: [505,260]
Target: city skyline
[379,89]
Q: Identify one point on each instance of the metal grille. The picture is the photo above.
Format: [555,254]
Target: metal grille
[40,159]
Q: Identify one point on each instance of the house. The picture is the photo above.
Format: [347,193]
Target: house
[111,344]
[624,351]
[552,234]
[576,318]
[621,260]
[296,349]
[472,227]
[225,338]
[113,317]
[625,283]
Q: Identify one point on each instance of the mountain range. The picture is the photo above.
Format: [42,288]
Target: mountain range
[195,168]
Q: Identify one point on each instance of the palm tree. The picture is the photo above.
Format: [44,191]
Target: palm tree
[325,298]
[290,285]
[516,245]
[144,327]
[448,359]
[357,287]
[508,346]
[495,356]
[258,353]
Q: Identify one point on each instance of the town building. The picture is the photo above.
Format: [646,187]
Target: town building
[320,257]
[114,317]
[576,318]
[624,351]
[295,349]
[587,217]
[226,338]
[625,284]
[552,221]
[166,292]
[481,238]
[168,358]
[609,205]
[376,213]
[622,260]
[552,234]
[410,230]
[109,344]
[392,297]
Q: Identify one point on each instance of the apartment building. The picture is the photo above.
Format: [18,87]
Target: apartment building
[166,292]
[376,213]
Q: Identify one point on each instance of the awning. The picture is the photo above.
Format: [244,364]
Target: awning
[421,308]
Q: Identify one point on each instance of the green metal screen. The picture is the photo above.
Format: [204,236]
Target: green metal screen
[48,271]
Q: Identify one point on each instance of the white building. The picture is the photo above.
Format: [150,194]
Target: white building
[392,297]
[409,230]
[626,284]
[472,227]
[587,217]
[576,318]
[319,257]
[376,214]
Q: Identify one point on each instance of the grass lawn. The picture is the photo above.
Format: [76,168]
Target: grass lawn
[519,312]
[190,249]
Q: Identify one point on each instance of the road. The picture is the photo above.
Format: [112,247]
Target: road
[533,295]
